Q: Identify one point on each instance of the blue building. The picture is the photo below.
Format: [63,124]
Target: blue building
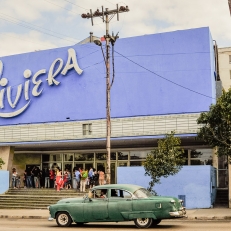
[53,102]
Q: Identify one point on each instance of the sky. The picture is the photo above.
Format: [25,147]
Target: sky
[32,25]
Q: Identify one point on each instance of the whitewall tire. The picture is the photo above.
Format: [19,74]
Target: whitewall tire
[63,219]
[143,222]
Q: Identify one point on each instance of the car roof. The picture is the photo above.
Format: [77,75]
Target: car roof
[129,187]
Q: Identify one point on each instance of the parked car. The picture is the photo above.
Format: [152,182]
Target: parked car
[117,202]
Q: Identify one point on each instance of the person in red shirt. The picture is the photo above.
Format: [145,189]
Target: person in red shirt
[52,177]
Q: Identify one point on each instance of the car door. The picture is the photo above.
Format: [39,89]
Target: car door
[119,205]
[96,208]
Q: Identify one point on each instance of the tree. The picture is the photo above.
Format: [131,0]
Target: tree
[216,125]
[167,159]
[1,162]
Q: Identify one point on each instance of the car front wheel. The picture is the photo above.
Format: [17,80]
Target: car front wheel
[63,219]
[143,222]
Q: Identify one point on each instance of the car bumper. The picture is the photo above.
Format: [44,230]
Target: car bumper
[181,213]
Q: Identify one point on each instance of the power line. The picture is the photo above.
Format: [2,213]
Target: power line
[164,77]
[19,22]
[75,4]
[61,7]
[31,28]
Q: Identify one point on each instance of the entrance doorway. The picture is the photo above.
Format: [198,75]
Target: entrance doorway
[103,165]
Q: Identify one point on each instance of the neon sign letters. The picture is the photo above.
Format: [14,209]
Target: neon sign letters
[6,91]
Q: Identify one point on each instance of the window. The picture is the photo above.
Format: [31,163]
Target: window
[84,156]
[136,155]
[68,157]
[199,157]
[230,74]
[123,155]
[229,58]
[117,193]
[87,129]
[98,193]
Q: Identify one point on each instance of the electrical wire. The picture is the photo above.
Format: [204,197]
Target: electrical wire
[31,28]
[21,21]
[75,4]
[113,66]
[164,77]
[61,7]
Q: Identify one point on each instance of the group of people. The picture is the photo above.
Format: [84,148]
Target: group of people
[56,178]
[83,178]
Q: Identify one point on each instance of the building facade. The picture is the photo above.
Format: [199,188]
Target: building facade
[225,67]
[53,102]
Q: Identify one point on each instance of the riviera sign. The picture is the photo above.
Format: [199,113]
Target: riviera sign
[53,72]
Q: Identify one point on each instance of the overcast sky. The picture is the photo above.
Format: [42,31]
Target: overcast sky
[29,25]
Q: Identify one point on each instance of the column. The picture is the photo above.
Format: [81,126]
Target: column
[7,155]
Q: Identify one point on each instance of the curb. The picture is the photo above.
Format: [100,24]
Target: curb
[214,218]
[23,217]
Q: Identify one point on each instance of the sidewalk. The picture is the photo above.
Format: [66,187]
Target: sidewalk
[193,214]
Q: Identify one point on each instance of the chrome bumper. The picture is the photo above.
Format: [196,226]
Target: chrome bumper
[181,213]
[50,219]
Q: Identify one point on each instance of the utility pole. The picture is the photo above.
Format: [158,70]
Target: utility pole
[104,14]
[229,3]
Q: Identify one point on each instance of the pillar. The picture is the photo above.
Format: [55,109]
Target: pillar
[7,155]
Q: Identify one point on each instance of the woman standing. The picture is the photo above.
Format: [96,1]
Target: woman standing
[14,178]
[59,180]
[101,177]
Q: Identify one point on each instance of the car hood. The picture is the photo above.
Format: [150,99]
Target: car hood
[70,200]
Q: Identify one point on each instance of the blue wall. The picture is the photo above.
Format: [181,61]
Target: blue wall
[183,57]
[194,182]
[4,178]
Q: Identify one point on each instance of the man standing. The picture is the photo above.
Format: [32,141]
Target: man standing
[36,173]
[84,176]
[90,176]
[28,177]
[77,178]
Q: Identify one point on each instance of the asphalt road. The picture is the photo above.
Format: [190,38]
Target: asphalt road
[44,225]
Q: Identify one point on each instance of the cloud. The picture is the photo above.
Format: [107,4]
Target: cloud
[61,24]
[24,43]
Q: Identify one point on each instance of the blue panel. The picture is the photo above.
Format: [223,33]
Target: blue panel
[4,176]
[192,181]
[180,57]
[183,198]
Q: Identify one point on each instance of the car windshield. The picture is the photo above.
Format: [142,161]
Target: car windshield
[142,193]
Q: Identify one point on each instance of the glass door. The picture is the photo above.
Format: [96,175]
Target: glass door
[103,166]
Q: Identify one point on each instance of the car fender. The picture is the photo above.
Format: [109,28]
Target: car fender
[132,215]
[63,210]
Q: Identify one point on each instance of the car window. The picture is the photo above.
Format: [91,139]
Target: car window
[142,193]
[99,193]
[120,193]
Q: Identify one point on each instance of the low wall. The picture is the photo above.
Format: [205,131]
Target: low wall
[4,178]
[195,184]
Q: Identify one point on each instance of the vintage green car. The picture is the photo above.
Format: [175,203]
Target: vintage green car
[117,202]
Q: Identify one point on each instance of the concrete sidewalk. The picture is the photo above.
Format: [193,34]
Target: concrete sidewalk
[193,214]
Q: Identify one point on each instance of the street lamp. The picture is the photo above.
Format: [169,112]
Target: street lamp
[98,42]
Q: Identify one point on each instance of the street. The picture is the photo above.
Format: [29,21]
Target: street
[44,225]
